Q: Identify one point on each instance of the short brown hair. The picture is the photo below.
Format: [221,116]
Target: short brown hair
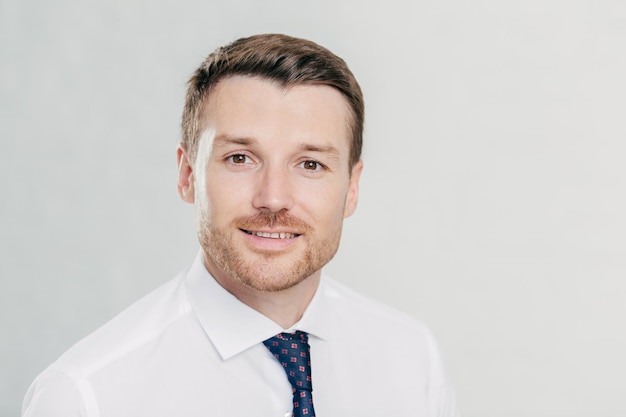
[284,59]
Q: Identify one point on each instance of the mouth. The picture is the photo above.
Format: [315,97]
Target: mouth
[271,235]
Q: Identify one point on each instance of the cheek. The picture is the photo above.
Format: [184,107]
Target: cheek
[327,207]
[224,199]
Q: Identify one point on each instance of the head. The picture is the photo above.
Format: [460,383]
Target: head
[283,59]
[270,155]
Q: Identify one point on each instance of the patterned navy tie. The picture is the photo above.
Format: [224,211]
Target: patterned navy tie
[292,352]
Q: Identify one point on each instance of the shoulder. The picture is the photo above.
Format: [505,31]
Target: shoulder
[385,334]
[373,315]
[64,387]
[53,394]
[143,321]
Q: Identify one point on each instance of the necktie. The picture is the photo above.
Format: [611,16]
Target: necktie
[292,352]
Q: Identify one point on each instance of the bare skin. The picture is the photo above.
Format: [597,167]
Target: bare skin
[272,185]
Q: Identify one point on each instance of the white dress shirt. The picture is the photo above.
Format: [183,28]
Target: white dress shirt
[191,349]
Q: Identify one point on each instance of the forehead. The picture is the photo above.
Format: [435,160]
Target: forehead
[253,107]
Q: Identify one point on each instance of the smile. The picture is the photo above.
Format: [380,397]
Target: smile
[281,235]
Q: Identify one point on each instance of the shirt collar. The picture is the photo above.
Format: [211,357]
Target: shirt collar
[232,326]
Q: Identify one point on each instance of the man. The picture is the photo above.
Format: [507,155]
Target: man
[270,156]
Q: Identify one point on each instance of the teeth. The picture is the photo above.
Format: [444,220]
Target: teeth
[281,235]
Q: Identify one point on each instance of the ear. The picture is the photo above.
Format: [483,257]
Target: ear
[185,175]
[353,189]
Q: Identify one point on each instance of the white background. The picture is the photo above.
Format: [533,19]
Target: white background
[492,203]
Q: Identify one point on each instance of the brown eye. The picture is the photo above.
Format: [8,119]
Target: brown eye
[238,159]
[311,165]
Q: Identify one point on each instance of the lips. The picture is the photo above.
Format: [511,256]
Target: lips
[275,227]
[272,235]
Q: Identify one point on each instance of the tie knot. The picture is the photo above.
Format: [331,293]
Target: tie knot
[292,352]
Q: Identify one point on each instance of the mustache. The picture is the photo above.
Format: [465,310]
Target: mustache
[280,219]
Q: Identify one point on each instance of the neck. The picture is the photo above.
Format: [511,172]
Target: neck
[284,307]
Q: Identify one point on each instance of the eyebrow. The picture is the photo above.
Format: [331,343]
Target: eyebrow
[329,150]
[224,140]
[234,140]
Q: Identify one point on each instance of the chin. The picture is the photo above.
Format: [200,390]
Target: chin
[272,277]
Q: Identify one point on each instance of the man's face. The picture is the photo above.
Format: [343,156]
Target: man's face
[271,181]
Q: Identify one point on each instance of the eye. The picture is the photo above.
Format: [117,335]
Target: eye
[312,165]
[239,159]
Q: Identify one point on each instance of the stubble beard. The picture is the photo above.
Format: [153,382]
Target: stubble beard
[265,271]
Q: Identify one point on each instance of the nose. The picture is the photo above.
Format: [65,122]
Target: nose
[274,190]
